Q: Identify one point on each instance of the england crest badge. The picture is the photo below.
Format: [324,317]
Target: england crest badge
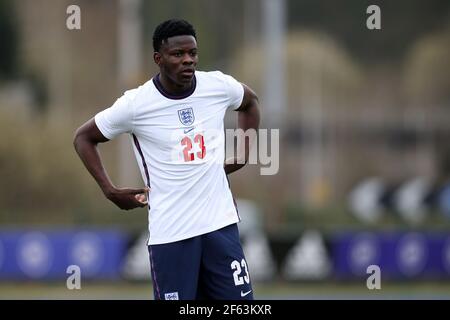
[186,116]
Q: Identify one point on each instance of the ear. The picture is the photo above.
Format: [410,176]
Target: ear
[157,58]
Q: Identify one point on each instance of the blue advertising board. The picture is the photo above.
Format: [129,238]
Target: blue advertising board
[47,254]
[400,255]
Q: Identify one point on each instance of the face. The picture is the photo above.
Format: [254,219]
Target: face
[177,59]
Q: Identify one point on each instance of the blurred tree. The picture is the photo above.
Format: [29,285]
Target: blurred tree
[426,73]
[9,40]
[402,21]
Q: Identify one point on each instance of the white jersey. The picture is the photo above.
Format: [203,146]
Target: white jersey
[179,146]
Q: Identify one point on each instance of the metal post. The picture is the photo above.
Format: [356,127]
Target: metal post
[130,67]
[274,30]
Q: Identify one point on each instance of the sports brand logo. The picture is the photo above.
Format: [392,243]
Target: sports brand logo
[186,116]
[243,294]
[171,296]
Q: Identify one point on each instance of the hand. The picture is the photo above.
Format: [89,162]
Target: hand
[233,164]
[127,198]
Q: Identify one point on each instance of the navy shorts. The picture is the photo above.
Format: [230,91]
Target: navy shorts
[209,266]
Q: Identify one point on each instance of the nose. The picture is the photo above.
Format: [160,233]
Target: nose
[188,59]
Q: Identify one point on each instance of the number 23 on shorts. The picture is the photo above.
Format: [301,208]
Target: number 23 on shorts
[238,279]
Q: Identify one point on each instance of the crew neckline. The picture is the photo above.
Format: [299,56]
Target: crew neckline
[179,96]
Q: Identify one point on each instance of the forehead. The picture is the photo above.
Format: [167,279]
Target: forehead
[184,42]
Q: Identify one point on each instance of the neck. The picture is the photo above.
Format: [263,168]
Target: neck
[173,88]
[179,92]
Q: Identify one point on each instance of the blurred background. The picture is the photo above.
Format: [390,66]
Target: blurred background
[363,114]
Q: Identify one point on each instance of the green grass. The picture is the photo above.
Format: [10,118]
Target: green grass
[297,291]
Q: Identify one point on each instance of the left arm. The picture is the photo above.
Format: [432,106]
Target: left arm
[248,119]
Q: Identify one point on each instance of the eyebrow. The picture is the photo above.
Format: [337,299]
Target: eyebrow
[181,49]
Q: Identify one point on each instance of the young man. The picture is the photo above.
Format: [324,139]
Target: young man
[175,121]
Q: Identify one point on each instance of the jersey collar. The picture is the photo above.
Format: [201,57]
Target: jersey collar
[168,95]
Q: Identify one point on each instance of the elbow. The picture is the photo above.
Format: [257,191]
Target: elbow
[86,136]
[77,139]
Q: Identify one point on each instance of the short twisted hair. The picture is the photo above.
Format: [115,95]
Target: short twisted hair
[171,28]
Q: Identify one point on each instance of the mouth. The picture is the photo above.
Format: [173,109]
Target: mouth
[187,72]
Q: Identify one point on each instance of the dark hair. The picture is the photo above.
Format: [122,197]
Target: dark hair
[171,28]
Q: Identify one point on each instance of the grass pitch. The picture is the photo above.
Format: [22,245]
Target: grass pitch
[273,291]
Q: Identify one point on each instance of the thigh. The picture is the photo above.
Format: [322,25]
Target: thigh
[175,268]
[225,273]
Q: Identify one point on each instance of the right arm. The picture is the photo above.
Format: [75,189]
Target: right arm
[85,142]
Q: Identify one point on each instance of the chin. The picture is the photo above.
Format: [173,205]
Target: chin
[186,80]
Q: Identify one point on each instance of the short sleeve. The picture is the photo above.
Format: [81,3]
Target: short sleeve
[118,118]
[235,91]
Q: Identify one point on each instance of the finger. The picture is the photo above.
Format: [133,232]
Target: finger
[137,191]
[143,204]
[140,197]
